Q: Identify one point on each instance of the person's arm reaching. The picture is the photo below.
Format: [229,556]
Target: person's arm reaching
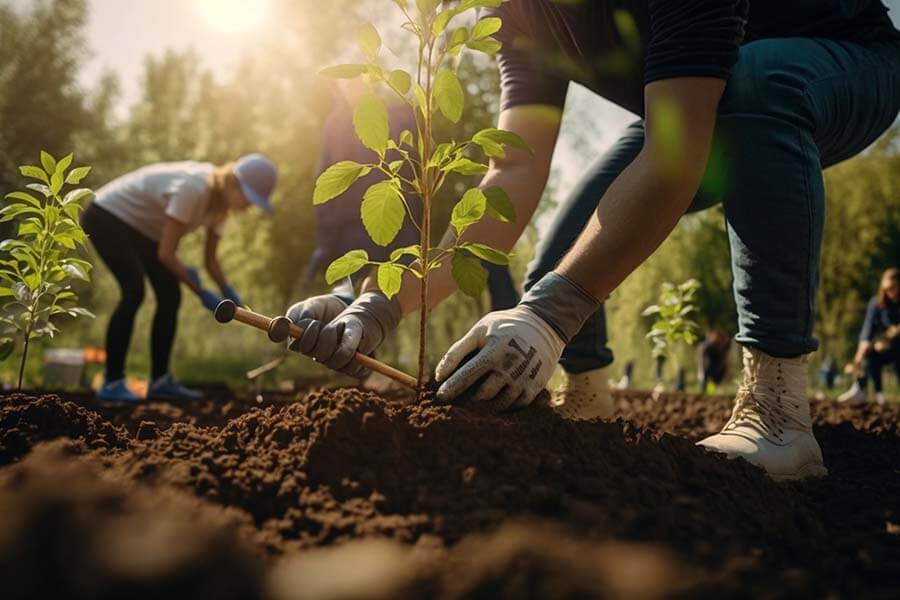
[173,231]
[518,348]
[214,267]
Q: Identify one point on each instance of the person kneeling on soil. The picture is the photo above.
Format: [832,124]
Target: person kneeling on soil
[879,340]
[807,86]
[136,224]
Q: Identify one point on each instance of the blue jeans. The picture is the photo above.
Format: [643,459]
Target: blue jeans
[792,107]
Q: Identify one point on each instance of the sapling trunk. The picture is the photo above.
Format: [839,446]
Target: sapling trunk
[22,365]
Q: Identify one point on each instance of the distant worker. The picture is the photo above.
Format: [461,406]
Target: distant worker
[879,340]
[712,360]
[136,224]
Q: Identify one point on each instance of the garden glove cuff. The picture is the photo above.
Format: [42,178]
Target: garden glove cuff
[561,303]
[311,315]
[517,351]
[209,299]
[360,328]
[230,294]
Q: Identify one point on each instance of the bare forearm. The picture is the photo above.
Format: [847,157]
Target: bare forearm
[177,268]
[214,268]
[636,214]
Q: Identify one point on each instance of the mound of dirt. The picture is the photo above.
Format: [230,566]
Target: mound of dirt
[68,532]
[336,466]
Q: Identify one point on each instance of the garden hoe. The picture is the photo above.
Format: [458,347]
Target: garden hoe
[280,328]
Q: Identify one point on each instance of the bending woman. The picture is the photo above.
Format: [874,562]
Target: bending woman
[136,224]
[879,340]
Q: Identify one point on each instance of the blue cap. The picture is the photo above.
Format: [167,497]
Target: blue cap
[257,176]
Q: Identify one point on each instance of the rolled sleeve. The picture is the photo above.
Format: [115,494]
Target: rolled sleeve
[694,38]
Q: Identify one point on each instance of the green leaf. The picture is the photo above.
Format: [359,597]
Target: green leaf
[465,166]
[650,310]
[344,71]
[400,80]
[76,271]
[369,41]
[406,251]
[7,245]
[7,344]
[488,45]
[346,265]
[441,153]
[64,163]
[370,119]
[486,28]
[449,95]
[24,197]
[468,211]
[76,196]
[78,311]
[485,252]
[422,99]
[390,276]
[382,212]
[469,4]
[11,211]
[48,162]
[77,174]
[469,274]
[40,188]
[426,7]
[458,39]
[500,136]
[403,4]
[22,292]
[335,180]
[499,206]
[406,137]
[56,183]
[34,173]
[442,20]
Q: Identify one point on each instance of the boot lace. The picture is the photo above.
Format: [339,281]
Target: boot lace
[765,402]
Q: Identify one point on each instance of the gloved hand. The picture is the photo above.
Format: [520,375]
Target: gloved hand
[209,299]
[517,349]
[318,309]
[518,352]
[361,327]
[231,294]
[193,274]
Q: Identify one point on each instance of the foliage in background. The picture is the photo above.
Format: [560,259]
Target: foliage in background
[38,267]
[672,324]
[434,88]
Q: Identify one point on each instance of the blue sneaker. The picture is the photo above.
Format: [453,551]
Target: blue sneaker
[117,391]
[165,386]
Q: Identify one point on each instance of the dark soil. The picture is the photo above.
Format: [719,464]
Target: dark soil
[340,494]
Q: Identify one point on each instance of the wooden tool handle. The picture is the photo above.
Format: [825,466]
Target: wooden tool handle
[228,311]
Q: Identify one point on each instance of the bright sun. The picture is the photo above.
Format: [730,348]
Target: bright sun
[233,16]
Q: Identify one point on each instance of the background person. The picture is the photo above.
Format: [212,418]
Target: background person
[712,360]
[879,342]
[808,85]
[136,223]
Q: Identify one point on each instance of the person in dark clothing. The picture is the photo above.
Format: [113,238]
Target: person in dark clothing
[712,359]
[879,340]
[737,102]
[135,225]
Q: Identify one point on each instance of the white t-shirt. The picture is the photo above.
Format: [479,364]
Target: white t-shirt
[144,198]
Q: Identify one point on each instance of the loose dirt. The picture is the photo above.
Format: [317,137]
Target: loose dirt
[340,494]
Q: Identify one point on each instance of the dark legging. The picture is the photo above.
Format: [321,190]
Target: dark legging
[876,361]
[130,256]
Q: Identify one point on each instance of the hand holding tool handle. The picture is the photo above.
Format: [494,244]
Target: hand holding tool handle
[280,328]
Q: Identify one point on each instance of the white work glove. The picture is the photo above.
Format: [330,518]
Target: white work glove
[518,352]
[360,327]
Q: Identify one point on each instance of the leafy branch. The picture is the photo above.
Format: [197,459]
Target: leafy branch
[673,325]
[37,268]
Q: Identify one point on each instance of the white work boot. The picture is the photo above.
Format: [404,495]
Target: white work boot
[584,395]
[770,425]
[855,395]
